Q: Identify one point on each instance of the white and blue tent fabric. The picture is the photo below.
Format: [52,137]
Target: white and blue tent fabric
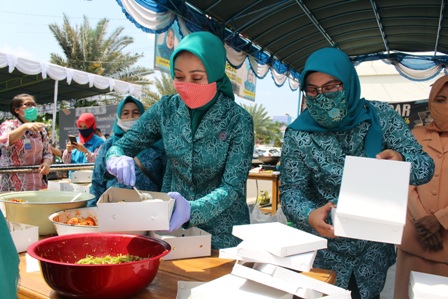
[278,36]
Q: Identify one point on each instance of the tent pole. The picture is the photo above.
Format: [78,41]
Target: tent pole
[53,129]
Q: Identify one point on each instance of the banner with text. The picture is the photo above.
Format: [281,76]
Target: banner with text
[414,113]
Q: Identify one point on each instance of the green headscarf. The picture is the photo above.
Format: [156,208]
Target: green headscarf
[118,132]
[210,50]
[336,63]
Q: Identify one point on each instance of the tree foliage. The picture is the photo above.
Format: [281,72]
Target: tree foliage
[265,129]
[164,86]
[94,51]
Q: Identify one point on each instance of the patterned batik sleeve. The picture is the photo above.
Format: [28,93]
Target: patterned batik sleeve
[99,181]
[398,137]
[295,179]
[46,149]
[5,128]
[234,178]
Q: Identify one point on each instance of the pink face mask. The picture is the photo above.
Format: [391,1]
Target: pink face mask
[195,95]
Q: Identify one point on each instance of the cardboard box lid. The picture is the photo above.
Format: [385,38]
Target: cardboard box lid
[364,229]
[279,239]
[184,288]
[374,189]
[121,209]
[300,262]
[427,286]
[287,280]
[234,287]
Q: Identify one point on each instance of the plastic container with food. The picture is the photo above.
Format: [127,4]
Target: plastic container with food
[34,207]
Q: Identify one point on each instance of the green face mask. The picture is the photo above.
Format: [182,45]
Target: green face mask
[30,114]
[328,111]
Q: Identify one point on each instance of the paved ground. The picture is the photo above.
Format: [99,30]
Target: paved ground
[388,291]
[253,188]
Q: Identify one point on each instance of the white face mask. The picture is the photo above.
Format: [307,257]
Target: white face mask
[126,124]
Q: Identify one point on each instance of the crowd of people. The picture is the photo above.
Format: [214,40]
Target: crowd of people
[197,146]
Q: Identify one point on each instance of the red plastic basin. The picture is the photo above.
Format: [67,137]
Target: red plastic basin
[58,255]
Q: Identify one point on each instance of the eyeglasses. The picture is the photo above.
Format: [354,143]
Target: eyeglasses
[328,90]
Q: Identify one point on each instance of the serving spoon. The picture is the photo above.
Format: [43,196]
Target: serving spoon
[143,195]
[76,197]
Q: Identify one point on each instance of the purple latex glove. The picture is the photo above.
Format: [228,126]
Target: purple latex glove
[123,168]
[181,212]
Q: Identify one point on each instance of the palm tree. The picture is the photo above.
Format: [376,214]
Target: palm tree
[164,86]
[265,129]
[91,50]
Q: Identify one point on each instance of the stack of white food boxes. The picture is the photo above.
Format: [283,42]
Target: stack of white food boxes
[80,181]
[267,263]
[427,286]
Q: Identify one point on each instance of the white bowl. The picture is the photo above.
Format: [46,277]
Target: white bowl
[38,205]
[61,218]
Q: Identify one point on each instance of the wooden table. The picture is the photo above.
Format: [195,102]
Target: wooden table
[33,286]
[275,179]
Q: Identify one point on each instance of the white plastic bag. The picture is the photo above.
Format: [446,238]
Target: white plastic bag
[257,216]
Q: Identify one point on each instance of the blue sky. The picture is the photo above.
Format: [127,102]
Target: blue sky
[24,32]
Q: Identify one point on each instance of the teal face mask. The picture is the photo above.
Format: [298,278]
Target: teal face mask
[30,114]
[328,111]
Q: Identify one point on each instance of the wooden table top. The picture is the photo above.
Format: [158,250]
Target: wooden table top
[33,286]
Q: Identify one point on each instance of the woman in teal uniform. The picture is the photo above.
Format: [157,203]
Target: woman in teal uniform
[9,262]
[208,138]
[149,165]
[338,123]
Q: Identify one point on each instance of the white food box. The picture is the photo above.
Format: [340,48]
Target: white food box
[300,262]
[287,280]
[82,188]
[81,176]
[59,185]
[186,243]
[229,253]
[427,286]
[23,235]
[121,209]
[279,239]
[184,288]
[234,287]
[373,200]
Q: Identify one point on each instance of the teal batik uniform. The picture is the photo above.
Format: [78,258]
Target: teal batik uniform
[152,159]
[312,166]
[209,150]
[9,262]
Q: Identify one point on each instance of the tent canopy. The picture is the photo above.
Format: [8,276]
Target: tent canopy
[283,33]
[50,83]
